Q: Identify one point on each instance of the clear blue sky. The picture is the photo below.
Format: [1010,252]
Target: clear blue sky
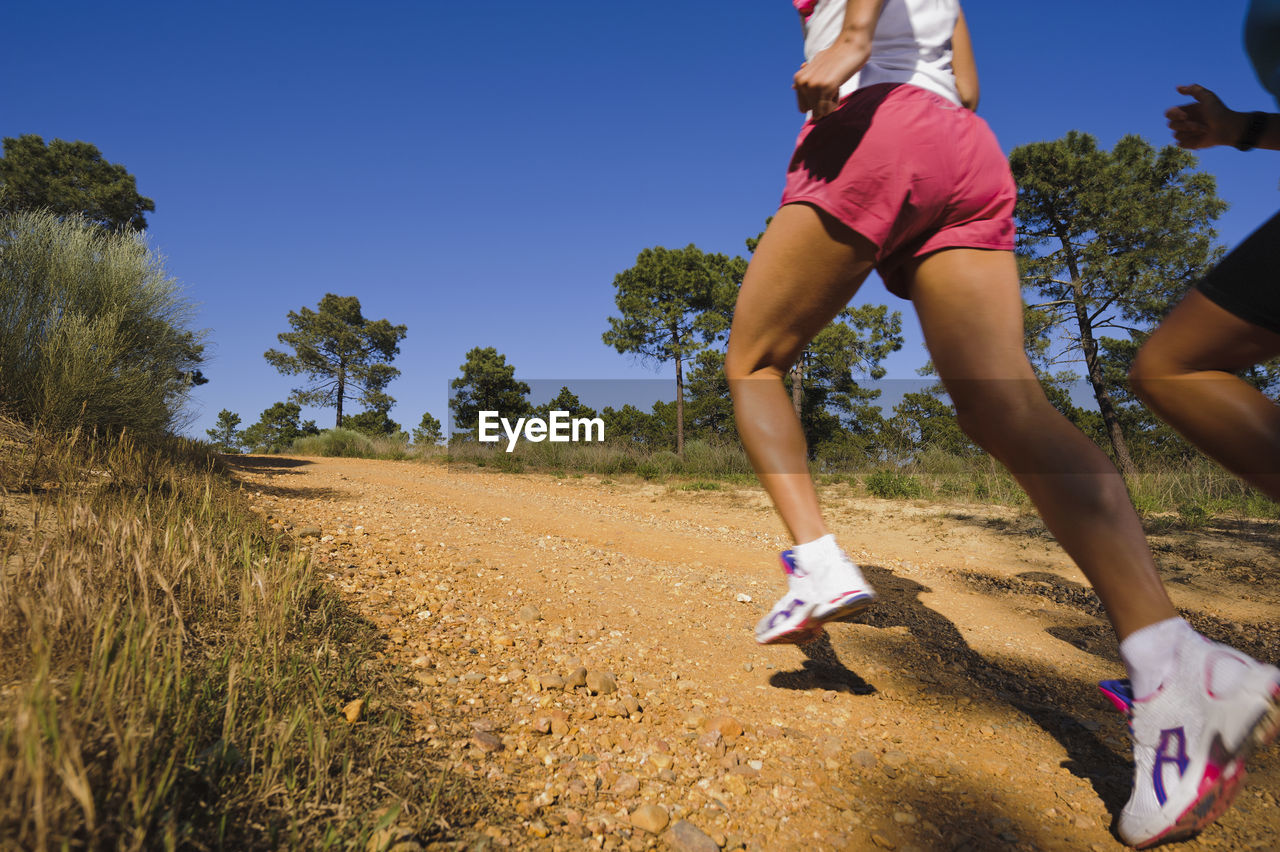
[480,172]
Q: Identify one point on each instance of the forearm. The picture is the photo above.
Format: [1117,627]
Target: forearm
[818,81]
[1269,138]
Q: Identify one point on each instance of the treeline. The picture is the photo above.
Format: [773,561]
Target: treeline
[1108,242]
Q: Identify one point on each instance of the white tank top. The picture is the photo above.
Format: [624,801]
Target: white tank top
[911,44]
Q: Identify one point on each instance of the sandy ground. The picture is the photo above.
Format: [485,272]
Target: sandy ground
[960,713]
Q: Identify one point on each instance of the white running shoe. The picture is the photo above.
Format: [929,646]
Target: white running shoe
[1191,738]
[813,598]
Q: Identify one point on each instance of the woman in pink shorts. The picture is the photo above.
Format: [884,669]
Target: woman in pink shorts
[894,172]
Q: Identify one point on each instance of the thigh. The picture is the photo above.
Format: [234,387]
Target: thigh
[969,302]
[806,268]
[1200,335]
[1247,281]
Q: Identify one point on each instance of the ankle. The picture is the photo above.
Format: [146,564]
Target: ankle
[820,555]
[1149,653]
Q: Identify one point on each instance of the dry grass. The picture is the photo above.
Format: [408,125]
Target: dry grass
[172,676]
[1185,494]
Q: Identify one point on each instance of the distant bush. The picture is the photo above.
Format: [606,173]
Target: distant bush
[93,331]
[342,443]
[702,458]
[892,485]
[347,443]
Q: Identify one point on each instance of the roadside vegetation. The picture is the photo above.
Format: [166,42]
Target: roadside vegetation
[173,672]
[1191,494]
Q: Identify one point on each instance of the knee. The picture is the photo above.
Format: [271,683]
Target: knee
[744,361]
[1151,368]
[735,363]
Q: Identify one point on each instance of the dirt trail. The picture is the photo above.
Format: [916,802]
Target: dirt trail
[960,713]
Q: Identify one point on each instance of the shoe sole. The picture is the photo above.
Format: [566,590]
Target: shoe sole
[848,610]
[1214,801]
[811,628]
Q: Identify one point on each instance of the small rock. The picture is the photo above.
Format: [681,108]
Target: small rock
[736,785]
[309,532]
[712,743]
[684,836]
[486,742]
[599,683]
[551,681]
[354,711]
[727,726]
[576,678]
[650,817]
[529,614]
[744,598]
[626,785]
[896,759]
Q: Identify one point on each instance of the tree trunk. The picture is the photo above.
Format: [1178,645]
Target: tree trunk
[679,408]
[1089,346]
[797,385]
[1107,408]
[342,392]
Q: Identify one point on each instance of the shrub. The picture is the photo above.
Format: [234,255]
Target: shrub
[706,459]
[340,443]
[1193,514]
[659,464]
[892,485]
[92,329]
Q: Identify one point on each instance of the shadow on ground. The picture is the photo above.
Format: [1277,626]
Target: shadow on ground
[276,467]
[822,670]
[1046,699]
[265,464]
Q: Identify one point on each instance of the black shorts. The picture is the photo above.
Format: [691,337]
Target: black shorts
[1247,281]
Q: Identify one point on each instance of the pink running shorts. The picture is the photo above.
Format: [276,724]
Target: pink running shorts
[910,171]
